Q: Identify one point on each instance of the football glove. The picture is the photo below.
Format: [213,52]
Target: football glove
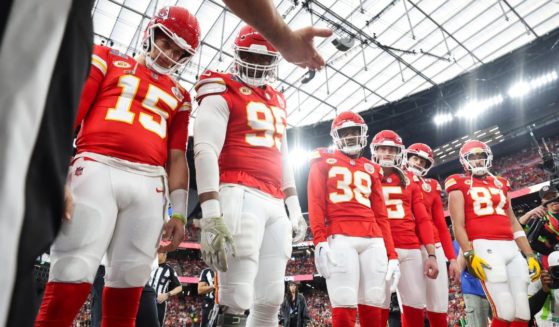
[476,265]
[393,272]
[323,257]
[533,267]
[216,242]
[299,228]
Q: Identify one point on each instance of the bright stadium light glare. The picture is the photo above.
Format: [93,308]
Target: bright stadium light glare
[473,109]
[522,88]
[298,157]
[441,119]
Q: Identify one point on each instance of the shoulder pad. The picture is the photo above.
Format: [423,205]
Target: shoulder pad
[117,53]
[99,58]
[318,153]
[452,180]
[208,84]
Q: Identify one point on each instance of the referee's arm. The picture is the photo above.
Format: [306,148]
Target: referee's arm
[203,285]
[175,284]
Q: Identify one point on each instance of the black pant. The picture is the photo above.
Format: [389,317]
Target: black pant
[147,311]
[46,174]
[206,310]
[161,308]
[97,297]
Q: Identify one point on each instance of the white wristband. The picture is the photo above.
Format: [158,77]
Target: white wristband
[519,234]
[292,203]
[210,208]
[179,199]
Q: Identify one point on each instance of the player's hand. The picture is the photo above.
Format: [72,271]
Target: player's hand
[393,273]
[68,203]
[173,232]
[476,265]
[431,269]
[216,242]
[546,281]
[298,48]
[533,267]
[299,228]
[454,272]
[162,297]
[323,258]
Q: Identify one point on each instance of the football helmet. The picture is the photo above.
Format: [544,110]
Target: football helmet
[391,139]
[249,41]
[180,26]
[423,151]
[350,145]
[477,167]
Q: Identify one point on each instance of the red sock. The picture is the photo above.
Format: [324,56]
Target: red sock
[495,322]
[61,303]
[370,316]
[343,317]
[120,306]
[519,323]
[437,319]
[384,313]
[413,316]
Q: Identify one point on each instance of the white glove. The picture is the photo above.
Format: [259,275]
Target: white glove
[323,257]
[298,224]
[216,242]
[393,272]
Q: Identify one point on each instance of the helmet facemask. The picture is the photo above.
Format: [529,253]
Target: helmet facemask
[349,143]
[254,73]
[387,160]
[417,169]
[477,166]
[159,30]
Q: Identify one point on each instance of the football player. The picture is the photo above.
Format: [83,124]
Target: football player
[490,236]
[244,182]
[134,120]
[419,160]
[406,213]
[354,250]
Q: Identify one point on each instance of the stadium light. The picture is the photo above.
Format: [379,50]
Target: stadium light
[298,157]
[522,88]
[475,108]
[440,119]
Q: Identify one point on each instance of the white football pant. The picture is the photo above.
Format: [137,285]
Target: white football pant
[359,277]
[437,289]
[412,284]
[255,276]
[507,280]
[116,212]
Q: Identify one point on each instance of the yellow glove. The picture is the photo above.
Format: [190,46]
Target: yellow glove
[476,265]
[533,267]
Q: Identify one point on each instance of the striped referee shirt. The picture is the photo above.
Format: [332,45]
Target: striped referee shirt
[163,277]
[207,276]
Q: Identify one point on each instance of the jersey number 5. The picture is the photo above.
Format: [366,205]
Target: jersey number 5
[121,111]
[394,207]
[356,185]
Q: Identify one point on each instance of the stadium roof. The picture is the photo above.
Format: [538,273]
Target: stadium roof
[401,46]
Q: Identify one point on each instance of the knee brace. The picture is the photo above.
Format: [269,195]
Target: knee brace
[522,306]
[504,303]
[262,314]
[123,274]
[374,296]
[342,296]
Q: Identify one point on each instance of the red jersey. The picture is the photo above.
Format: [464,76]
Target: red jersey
[485,205]
[405,208]
[433,203]
[251,154]
[129,112]
[345,197]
